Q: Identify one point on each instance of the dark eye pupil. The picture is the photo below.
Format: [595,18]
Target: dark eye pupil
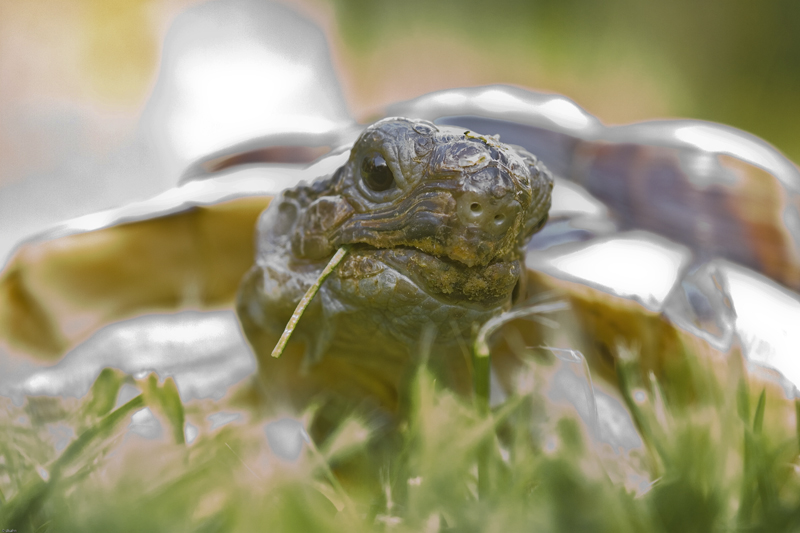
[376,173]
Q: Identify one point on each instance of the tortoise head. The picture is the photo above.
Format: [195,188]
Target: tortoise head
[435,218]
[443,191]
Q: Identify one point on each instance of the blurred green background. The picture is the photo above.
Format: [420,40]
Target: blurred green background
[730,61]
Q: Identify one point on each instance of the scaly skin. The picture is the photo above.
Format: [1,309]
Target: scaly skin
[436,219]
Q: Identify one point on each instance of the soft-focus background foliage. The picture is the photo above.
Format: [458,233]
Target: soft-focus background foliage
[730,61]
[75,76]
[87,66]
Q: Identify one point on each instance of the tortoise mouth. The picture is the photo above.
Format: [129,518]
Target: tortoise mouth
[441,277]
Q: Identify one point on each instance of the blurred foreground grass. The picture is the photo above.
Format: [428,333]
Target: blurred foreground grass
[723,459]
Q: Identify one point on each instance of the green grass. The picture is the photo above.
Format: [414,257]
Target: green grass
[722,459]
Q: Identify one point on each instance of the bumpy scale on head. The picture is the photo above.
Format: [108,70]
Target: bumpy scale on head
[436,218]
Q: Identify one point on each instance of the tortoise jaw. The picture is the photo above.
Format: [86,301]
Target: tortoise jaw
[440,276]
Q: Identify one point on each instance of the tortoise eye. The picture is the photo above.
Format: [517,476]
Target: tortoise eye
[376,173]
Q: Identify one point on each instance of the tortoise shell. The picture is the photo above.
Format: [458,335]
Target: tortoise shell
[707,205]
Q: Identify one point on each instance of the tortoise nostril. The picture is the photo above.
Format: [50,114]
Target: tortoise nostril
[482,212]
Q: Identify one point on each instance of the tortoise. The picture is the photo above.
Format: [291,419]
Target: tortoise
[440,220]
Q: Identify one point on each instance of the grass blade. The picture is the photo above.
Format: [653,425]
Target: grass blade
[307,297]
[758,420]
